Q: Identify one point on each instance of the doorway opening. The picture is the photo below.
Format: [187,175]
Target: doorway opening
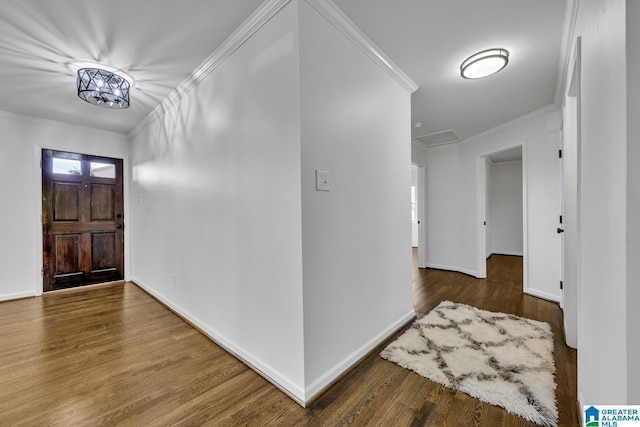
[418,238]
[82,219]
[504,230]
[501,206]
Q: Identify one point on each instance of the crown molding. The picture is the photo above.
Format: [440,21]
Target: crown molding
[568,32]
[339,20]
[501,126]
[261,16]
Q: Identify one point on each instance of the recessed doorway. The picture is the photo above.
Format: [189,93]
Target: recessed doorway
[82,219]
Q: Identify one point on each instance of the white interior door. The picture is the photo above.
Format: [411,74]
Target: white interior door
[543,242]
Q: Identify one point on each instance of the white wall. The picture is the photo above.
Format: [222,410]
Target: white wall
[603,328]
[23,139]
[356,237]
[228,227]
[217,233]
[443,205]
[633,200]
[451,197]
[505,208]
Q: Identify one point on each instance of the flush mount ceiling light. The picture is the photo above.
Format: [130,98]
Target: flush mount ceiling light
[103,88]
[484,64]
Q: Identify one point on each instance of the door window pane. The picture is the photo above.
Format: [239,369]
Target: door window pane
[67,166]
[103,170]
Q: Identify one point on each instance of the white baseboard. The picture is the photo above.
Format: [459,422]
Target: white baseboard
[295,392]
[338,369]
[451,268]
[541,294]
[290,389]
[18,295]
[580,404]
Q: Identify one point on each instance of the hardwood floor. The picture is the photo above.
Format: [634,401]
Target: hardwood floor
[112,355]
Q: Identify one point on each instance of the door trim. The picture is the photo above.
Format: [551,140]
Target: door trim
[422,210]
[37,228]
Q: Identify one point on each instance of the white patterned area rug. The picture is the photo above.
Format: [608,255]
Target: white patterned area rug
[498,358]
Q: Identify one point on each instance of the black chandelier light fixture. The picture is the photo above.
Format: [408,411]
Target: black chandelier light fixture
[103,88]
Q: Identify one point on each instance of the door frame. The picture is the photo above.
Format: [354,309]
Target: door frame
[422,230]
[571,257]
[481,211]
[37,176]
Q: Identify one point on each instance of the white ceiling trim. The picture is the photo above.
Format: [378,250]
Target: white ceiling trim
[568,30]
[339,20]
[261,16]
[504,125]
[534,113]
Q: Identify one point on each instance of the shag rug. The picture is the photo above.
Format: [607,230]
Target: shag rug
[498,358]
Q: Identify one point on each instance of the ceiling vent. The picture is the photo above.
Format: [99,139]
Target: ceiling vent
[439,138]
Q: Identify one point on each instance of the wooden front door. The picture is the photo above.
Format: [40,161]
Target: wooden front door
[82,219]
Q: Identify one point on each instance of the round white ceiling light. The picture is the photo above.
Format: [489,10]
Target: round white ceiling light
[484,64]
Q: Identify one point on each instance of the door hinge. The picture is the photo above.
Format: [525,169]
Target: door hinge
[560,153]
[561,285]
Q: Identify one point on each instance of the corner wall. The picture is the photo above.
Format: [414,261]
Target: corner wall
[229,230]
[22,141]
[215,198]
[357,236]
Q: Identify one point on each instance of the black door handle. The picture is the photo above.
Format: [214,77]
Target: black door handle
[559,230]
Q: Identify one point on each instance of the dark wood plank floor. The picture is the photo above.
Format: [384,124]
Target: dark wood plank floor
[112,355]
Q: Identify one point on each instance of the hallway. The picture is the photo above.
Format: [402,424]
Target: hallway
[112,355]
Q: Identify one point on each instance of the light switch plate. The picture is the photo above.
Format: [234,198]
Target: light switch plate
[322,180]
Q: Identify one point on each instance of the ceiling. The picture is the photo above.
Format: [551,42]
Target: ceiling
[429,39]
[161,42]
[157,42]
